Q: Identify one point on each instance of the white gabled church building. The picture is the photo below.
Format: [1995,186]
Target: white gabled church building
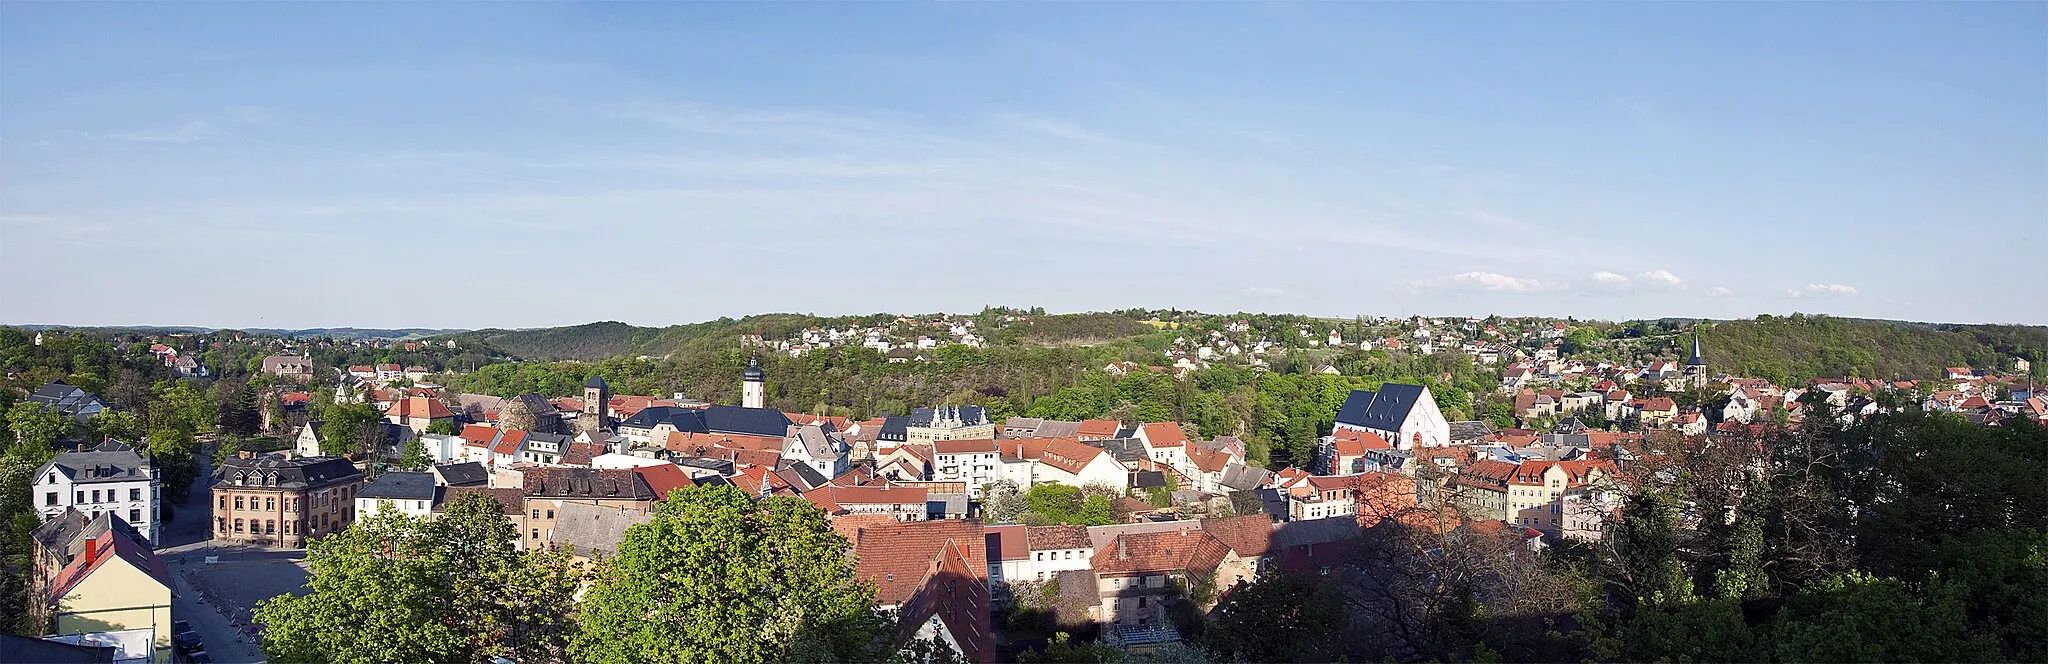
[1406,415]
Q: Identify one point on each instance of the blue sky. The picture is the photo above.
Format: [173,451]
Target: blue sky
[525,164]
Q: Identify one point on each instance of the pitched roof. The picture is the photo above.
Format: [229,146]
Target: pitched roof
[111,465]
[588,484]
[897,556]
[1097,428]
[1138,553]
[1248,535]
[477,435]
[1385,409]
[108,545]
[508,442]
[1163,434]
[664,478]
[296,473]
[462,474]
[1046,538]
[967,446]
[1070,456]
[399,485]
[419,407]
[511,501]
[1009,542]
[588,530]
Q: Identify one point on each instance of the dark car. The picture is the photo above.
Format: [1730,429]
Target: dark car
[187,640]
[199,658]
[178,626]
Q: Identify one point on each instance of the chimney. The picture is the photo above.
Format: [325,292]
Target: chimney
[1123,550]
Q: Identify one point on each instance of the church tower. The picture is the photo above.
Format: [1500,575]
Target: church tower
[753,388]
[1696,368]
[597,398]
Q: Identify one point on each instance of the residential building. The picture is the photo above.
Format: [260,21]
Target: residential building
[283,500]
[1329,496]
[928,425]
[1406,415]
[818,446]
[1136,574]
[113,582]
[109,479]
[288,365]
[934,576]
[408,493]
[68,400]
[1071,462]
[970,461]
[418,413]
[548,489]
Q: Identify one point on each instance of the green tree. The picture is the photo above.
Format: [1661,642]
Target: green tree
[1855,617]
[718,576]
[175,455]
[416,457]
[1061,649]
[393,588]
[1279,617]
[37,426]
[350,428]
[442,427]
[183,406]
[119,425]
[1000,502]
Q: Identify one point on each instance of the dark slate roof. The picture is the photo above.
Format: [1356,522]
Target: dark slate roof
[91,467]
[1126,432]
[1469,430]
[748,421]
[1382,410]
[400,486]
[64,397]
[292,474]
[597,382]
[1245,478]
[1146,479]
[968,415]
[894,428]
[801,474]
[753,373]
[538,405]
[463,474]
[721,466]
[683,419]
[1123,449]
[60,531]
[589,483]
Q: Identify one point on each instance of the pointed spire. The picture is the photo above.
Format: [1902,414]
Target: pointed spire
[1697,359]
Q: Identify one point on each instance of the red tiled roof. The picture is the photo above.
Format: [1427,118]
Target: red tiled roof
[870,495]
[1170,551]
[389,367]
[419,407]
[968,446]
[1048,538]
[1249,535]
[108,546]
[1098,428]
[897,556]
[664,478]
[1025,448]
[477,435]
[1352,442]
[1069,455]
[295,398]
[361,368]
[1007,542]
[1164,434]
[1660,404]
[509,442]
[1209,461]
[687,442]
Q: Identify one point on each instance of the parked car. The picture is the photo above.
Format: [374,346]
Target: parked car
[199,658]
[187,640]
[178,626]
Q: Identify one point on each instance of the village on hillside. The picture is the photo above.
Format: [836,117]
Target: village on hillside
[958,519]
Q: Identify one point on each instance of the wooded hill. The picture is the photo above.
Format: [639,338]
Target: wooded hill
[1792,349]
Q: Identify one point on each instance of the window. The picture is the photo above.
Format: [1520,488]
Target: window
[536,533]
[536,514]
[135,494]
[238,525]
[1141,604]
[95,495]
[551,514]
[81,498]
[238,502]
[270,504]
[269,526]
[134,515]
[50,498]
[220,524]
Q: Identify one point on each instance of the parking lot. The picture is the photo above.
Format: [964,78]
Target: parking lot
[218,597]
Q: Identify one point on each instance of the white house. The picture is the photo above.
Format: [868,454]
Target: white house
[818,447]
[972,461]
[1406,415]
[411,494]
[109,478]
[1077,464]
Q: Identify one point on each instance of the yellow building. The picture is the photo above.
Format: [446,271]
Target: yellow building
[114,583]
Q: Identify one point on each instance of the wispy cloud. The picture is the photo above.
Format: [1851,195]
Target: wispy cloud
[1661,280]
[1816,291]
[1718,291]
[1477,281]
[1610,278]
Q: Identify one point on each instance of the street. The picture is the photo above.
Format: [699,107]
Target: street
[217,598]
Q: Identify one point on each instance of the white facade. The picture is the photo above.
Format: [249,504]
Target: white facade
[368,507]
[976,468]
[77,480]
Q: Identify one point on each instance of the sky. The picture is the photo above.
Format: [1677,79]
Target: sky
[528,164]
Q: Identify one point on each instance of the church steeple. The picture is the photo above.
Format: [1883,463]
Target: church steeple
[753,387]
[1697,360]
[1696,368]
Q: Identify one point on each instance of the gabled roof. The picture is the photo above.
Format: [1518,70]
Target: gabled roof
[897,556]
[1009,542]
[1070,456]
[1048,538]
[399,485]
[968,446]
[1097,428]
[509,442]
[477,435]
[1191,551]
[1163,434]
[110,544]
[1249,535]
[589,530]
[587,484]
[1385,409]
[463,474]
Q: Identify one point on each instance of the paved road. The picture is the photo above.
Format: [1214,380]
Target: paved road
[217,597]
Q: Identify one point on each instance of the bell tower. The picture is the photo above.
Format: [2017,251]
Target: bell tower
[753,385]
